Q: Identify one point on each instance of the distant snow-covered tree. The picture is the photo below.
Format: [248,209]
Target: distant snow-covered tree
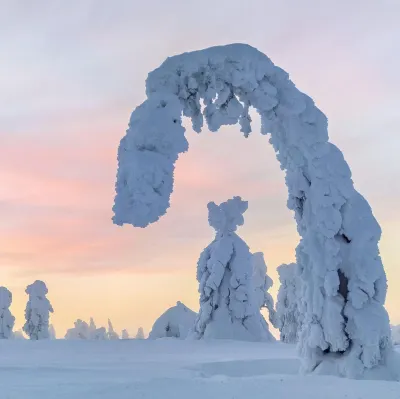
[100,334]
[396,335]
[37,311]
[176,322]
[92,328]
[262,283]
[6,318]
[289,315]
[79,331]
[228,303]
[52,332]
[124,334]
[140,333]
[111,334]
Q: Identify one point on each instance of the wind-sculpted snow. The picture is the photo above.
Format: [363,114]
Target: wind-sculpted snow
[338,257]
[229,307]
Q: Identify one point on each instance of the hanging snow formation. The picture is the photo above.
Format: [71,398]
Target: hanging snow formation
[338,256]
[37,311]
[262,283]
[229,308]
[6,318]
[175,322]
[288,306]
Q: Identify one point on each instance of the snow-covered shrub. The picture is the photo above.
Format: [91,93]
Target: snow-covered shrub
[338,257]
[6,318]
[111,334]
[229,308]
[262,283]
[175,322]
[288,314]
[37,311]
[140,333]
[124,334]
[79,331]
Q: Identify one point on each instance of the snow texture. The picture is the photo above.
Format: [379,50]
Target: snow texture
[228,303]
[175,322]
[262,283]
[288,306]
[338,255]
[140,333]
[168,369]
[6,318]
[37,311]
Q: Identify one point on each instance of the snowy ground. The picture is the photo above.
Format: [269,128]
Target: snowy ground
[168,369]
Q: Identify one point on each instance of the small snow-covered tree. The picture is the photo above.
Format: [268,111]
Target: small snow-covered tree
[100,334]
[111,334]
[52,332]
[396,335]
[262,283]
[6,318]
[289,316]
[228,304]
[140,333]
[124,334]
[175,322]
[79,331]
[37,311]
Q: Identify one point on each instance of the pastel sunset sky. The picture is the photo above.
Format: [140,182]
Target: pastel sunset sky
[71,72]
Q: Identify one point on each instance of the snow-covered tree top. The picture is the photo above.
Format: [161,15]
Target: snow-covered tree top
[227,216]
[5,298]
[38,289]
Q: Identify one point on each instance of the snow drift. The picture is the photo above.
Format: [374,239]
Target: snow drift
[175,322]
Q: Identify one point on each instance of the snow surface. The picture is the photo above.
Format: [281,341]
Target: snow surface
[168,369]
[338,256]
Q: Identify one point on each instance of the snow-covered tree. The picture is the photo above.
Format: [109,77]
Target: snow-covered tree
[52,332]
[79,331]
[140,333]
[288,308]
[338,257]
[111,334]
[262,283]
[92,327]
[228,302]
[100,334]
[175,322]
[124,334]
[6,318]
[37,311]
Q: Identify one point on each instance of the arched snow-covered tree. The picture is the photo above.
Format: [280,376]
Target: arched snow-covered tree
[111,334]
[228,303]
[345,286]
[288,313]
[37,311]
[175,322]
[6,318]
[140,333]
[262,283]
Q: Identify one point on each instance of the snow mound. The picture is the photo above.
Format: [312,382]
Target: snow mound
[175,322]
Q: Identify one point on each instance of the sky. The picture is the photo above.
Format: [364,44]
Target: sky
[70,75]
